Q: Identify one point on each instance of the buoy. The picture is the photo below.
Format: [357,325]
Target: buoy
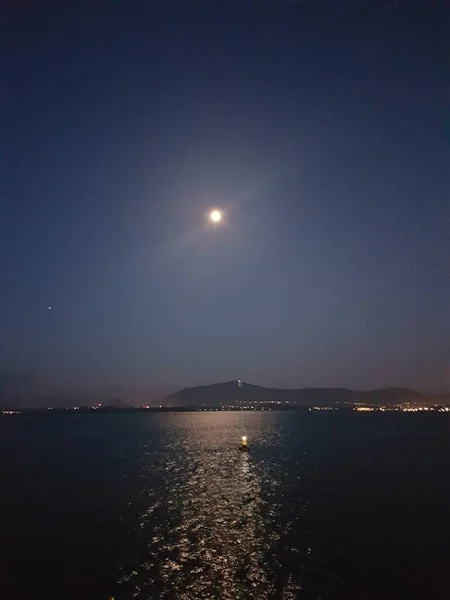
[244,442]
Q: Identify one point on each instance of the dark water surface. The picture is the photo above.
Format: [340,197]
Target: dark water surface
[323,505]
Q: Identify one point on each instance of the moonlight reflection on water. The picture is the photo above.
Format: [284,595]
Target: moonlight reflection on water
[209,532]
[330,506]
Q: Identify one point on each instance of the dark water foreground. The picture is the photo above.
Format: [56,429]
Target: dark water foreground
[338,506]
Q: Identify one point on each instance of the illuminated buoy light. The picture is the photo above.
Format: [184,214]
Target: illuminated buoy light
[244,442]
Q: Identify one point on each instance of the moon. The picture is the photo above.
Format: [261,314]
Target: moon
[215,216]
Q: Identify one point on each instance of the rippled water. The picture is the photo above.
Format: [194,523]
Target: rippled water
[212,517]
[167,506]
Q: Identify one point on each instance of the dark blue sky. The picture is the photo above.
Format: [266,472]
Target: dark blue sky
[319,132]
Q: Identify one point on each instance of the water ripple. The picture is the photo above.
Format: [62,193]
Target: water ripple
[210,530]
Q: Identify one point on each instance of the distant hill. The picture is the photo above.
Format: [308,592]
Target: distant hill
[241,393]
[22,392]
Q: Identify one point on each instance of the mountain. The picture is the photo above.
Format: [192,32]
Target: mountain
[239,393]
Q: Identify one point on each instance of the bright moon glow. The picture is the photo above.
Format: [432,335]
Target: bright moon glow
[215,216]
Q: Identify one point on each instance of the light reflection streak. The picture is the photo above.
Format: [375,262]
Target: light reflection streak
[207,538]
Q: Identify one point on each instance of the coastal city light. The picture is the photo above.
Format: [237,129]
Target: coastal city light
[244,406]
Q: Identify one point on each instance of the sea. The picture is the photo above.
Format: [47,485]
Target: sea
[323,505]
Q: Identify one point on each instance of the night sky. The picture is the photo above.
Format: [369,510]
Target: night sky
[320,133]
